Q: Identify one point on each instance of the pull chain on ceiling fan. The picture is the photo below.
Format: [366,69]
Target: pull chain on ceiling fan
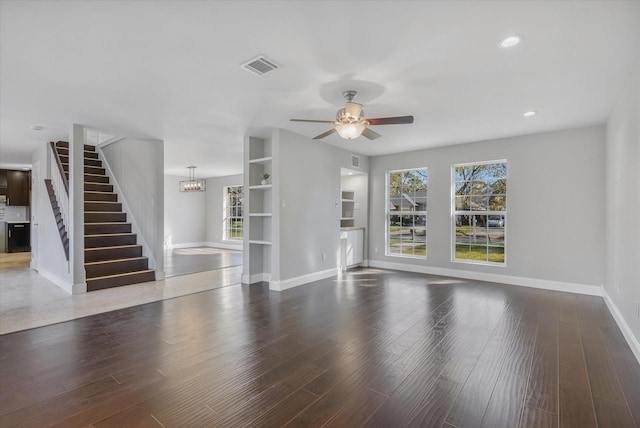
[350,122]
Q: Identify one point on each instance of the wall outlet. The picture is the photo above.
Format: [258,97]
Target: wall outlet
[376,250]
[638,309]
[324,257]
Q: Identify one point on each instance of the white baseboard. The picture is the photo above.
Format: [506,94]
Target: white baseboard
[222,245]
[187,245]
[225,245]
[632,340]
[65,285]
[159,275]
[303,279]
[79,288]
[568,287]
[256,277]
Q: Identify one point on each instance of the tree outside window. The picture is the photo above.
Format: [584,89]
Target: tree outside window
[233,220]
[480,212]
[407,213]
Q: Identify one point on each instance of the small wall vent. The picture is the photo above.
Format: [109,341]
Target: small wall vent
[260,65]
[355,161]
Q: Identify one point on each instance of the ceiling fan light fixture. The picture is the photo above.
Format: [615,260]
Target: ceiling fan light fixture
[353,111]
[349,131]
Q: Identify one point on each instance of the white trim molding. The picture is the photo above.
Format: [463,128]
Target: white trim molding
[206,244]
[568,287]
[632,340]
[225,245]
[187,245]
[303,279]
[256,277]
[65,285]
[80,288]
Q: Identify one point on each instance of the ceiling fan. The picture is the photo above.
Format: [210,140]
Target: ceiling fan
[350,122]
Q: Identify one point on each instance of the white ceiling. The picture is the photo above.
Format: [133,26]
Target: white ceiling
[170,70]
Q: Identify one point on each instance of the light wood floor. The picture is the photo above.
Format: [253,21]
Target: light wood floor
[11,261]
[376,348]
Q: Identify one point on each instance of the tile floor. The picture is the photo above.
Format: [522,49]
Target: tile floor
[28,300]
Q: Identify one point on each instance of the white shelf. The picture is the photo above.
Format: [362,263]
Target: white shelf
[348,200]
[261,160]
[254,241]
[260,187]
[259,214]
[347,218]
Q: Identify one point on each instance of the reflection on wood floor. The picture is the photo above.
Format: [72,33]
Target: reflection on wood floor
[182,261]
[373,348]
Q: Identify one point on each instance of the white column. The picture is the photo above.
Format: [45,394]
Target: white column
[76,205]
[159,210]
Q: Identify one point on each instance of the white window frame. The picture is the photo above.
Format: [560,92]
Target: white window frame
[225,215]
[388,213]
[488,213]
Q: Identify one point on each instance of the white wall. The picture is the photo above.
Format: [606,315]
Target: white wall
[555,202]
[184,215]
[214,212]
[138,170]
[52,263]
[622,280]
[309,185]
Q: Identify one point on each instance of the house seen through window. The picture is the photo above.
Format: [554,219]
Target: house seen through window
[233,221]
[407,213]
[480,212]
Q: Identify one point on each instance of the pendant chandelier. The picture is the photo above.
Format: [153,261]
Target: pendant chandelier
[193,184]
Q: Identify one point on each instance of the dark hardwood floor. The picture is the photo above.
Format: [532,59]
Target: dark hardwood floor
[377,348]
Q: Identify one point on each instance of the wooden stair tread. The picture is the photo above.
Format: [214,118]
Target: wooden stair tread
[96,191]
[97,235]
[114,260]
[112,247]
[107,222]
[103,212]
[116,275]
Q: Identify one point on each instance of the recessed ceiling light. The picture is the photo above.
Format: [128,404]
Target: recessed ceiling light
[510,41]
[530,113]
[36,127]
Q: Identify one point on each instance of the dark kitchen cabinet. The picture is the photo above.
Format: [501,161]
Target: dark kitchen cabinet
[18,188]
[18,237]
[3,181]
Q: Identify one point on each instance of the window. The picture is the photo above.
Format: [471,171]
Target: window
[233,222]
[407,213]
[480,212]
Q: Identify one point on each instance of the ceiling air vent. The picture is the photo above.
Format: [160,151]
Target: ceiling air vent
[260,65]
[355,161]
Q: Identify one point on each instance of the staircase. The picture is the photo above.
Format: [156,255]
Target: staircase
[64,238]
[112,256]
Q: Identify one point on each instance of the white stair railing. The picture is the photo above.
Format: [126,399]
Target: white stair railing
[60,185]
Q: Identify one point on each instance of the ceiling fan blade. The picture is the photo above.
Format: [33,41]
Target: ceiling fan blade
[391,120]
[325,134]
[313,121]
[371,135]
